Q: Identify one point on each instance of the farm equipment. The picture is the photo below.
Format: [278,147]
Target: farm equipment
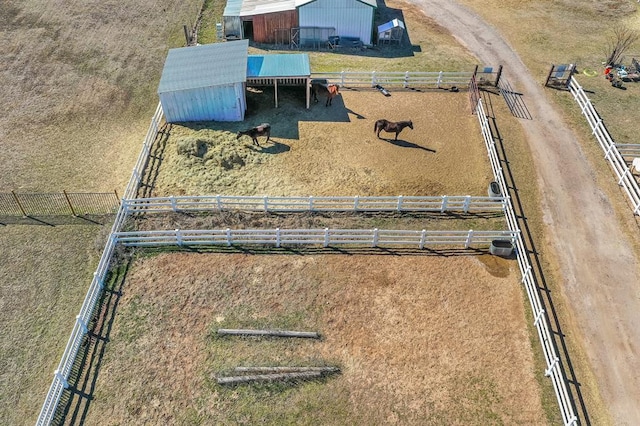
[620,73]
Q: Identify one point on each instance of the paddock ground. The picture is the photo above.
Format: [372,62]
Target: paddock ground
[331,150]
[419,340]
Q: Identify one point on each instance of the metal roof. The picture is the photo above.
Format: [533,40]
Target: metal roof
[395,23]
[204,66]
[279,65]
[257,7]
[372,3]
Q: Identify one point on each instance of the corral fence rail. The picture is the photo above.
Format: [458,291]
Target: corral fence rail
[541,320]
[83,319]
[464,204]
[436,79]
[611,151]
[58,203]
[325,237]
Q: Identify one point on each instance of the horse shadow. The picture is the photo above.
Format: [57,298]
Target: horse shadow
[275,148]
[406,144]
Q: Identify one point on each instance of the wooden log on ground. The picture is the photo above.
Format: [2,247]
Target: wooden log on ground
[324,370]
[303,375]
[271,333]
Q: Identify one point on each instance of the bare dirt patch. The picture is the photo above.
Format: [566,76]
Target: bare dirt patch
[334,150]
[418,338]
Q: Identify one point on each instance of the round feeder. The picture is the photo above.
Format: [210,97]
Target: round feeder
[494,190]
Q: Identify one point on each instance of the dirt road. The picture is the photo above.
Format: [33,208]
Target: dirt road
[599,269]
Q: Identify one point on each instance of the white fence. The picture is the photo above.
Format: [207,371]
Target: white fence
[554,369]
[404,79]
[611,151]
[80,328]
[464,204]
[325,237]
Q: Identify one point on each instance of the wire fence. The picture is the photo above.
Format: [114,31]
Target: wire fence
[618,164]
[217,203]
[61,203]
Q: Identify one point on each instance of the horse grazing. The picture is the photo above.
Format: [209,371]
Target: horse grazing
[391,127]
[329,90]
[262,130]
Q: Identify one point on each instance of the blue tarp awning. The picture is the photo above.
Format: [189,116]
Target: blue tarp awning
[280,65]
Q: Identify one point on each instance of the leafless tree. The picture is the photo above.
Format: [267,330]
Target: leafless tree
[622,37]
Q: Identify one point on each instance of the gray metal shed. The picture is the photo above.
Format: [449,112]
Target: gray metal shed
[352,18]
[205,83]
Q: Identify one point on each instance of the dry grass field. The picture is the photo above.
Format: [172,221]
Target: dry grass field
[418,339]
[78,82]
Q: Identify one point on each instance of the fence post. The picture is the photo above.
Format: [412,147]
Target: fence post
[278,237]
[439,79]
[467,201]
[172,199]
[623,175]
[423,238]
[73,213]
[82,324]
[553,365]
[326,237]
[178,237]
[218,205]
[228,237]
[265,201]
[375,237]
[469,239]
[538,317]
[311,203]
[373,79]
[356,200]
[406,79]
[445,200]
[61,378]
[15,197]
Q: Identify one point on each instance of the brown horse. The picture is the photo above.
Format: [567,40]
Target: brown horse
[262,130]
[329,90]
[391,127]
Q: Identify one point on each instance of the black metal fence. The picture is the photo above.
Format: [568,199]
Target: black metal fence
[56,204]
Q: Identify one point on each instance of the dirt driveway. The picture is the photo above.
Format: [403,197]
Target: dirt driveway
[599,269]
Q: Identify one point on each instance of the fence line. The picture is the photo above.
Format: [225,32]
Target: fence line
[83,319]
[61,203]
[622,171]
[465,204]
[541,320]
[406,79]
[325,237]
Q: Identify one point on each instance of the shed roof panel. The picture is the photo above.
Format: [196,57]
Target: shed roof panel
[395,23]
[282,65]
[260,7]
[204,66]
[372,3]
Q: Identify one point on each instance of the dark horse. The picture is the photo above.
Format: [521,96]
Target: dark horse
[262,130]
[329,90]
[391,127]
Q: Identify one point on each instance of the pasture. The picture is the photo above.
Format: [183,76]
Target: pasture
[76,110]
[418,339]
[332,150]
